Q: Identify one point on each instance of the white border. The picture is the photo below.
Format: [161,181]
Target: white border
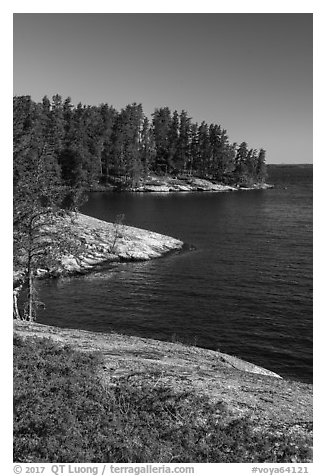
[168,6]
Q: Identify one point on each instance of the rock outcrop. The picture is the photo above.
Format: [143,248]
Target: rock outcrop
[247,390]
[188,184]
[105,242]
[102,242]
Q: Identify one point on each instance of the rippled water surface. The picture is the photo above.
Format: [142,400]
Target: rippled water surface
[245,290]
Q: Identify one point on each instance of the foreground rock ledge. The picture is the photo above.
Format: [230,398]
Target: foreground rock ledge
[245,388]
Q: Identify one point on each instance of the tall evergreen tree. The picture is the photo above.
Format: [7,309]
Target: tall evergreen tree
[57,124]
[161,125]
[194,149]
[183,151]
[229,162]
[251,160]
[93,140]
[24,114]
[240,173]
[126,144]
[134,122]
[204,150]
[108,116]
[37,196]
[261,169]
[147,147]
[173,142]
[74,155]
[215,150]
[222,155]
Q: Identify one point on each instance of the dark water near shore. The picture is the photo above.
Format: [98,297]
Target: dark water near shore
[246,289]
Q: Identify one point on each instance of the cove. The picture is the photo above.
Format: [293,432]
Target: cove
[245,290]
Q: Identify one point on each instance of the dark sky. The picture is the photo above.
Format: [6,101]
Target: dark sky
[251,73]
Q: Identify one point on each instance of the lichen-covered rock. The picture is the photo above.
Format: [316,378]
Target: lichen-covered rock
[99,242]
[156,188]
[114,242]
[188,184]
[246,389]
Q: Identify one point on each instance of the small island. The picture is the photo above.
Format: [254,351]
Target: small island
[100,148]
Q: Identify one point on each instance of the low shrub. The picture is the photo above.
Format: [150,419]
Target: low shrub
[65,414]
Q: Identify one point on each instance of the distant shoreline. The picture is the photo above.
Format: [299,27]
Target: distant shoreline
[289,165]
[169,184]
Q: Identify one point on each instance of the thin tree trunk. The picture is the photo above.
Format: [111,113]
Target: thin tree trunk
[15,302]
[30,290]
[30,294]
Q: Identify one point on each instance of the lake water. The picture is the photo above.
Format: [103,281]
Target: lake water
[246,290]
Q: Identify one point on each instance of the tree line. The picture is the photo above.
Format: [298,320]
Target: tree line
[87,145]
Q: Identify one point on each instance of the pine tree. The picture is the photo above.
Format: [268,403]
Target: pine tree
[126,144]
[37,196]
[240,173]
[229,163]
[93,143]
[108,116]
[173,141]
[194,149]
[79,167]
[261,169]
[183,151]
[251,160]
[147,147]
[222,154]
[204,150]
[161,125]
[57,124]
[215,150]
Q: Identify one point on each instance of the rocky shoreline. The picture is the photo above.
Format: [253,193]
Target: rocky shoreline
[246,389]
[113,242]
[170,184]
[103,242]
